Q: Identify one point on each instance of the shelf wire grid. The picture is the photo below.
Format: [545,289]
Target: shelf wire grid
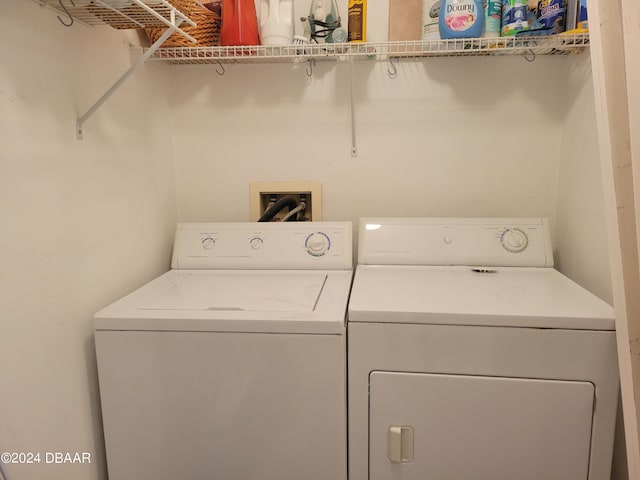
[121,14]
[560,44]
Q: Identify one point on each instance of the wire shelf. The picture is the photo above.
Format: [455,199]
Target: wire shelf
[561,44]
[121,14]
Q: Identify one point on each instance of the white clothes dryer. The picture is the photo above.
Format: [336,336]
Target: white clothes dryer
[232,364]
[471,358]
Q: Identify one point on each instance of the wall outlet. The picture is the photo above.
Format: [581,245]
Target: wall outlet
[261,193]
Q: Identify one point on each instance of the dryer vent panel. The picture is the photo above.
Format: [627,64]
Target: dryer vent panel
[264,193]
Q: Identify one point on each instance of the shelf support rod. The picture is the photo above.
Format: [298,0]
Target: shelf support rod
[354,146]
[105,96]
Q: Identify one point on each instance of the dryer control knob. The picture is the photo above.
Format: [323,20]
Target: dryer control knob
[514,240]
[317,244]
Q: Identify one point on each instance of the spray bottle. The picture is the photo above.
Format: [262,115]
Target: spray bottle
[239,23]
[276,22]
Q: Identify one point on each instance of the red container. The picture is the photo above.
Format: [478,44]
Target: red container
[239,23]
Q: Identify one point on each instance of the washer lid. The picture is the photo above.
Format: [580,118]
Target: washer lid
[260,301]
[506,296]
[235,291]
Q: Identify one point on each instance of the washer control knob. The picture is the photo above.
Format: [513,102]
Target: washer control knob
[256,243]
[317,244]
[514,240]
[208,242]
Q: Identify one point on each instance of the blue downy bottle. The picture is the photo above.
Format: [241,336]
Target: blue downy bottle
[461,18]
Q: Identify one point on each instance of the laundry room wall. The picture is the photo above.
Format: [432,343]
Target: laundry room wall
[445,137]
[83,223]
[580,233]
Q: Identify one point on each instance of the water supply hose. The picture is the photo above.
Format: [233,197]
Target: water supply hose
[287,218]
[288,202]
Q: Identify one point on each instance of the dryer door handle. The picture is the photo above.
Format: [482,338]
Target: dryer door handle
[400,444]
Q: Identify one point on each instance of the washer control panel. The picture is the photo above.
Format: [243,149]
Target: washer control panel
[288,245]
[516,242]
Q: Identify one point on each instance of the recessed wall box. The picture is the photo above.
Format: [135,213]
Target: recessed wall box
[309,192]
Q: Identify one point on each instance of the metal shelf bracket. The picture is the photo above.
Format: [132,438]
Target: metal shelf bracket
[105,96]
[136,14]
[354,145]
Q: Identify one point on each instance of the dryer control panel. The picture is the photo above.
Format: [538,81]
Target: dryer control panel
[504,242]
[272,245]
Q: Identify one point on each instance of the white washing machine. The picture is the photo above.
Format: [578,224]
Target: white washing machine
[232,364]
[471,358]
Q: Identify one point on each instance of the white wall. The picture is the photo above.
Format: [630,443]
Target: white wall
[83,222]
[581,235]
[446,137]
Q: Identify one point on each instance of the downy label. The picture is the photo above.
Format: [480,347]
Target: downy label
[459,15]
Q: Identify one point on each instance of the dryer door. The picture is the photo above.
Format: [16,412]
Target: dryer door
[430,426]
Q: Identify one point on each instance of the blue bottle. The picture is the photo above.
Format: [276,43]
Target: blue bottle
[461,18]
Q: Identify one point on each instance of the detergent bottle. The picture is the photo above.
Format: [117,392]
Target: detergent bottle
[492,18]
[461,18]
[239,23]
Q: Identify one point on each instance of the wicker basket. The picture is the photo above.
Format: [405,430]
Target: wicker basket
[206,31]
